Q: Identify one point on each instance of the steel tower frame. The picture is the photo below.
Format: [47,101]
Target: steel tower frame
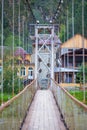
[50,37]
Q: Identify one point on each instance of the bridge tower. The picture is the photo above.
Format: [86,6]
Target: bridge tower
[44,53]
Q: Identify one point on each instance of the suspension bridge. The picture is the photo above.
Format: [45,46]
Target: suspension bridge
[38,84]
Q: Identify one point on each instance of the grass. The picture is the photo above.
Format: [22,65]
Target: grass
[6,97]
[79,94]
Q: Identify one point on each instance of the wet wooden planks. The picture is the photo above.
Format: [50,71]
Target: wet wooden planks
[43,113]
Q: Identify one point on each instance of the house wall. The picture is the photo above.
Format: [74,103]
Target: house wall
[27,65]
[28,57]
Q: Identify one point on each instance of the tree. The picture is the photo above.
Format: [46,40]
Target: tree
[62,31]
[9,41]
[79,75]
[10,75]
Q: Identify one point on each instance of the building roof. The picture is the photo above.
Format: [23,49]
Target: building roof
[20,52]
[75,42]
[61,69]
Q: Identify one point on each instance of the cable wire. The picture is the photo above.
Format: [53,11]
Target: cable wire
[2,52]
[83,50]
[13,54]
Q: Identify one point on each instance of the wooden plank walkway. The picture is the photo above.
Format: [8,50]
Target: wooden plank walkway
[43,113]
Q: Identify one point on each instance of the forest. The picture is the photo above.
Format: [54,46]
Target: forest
[67,14]
[63,15]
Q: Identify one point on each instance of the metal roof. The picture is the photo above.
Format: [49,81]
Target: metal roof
[61,69]
[75,42]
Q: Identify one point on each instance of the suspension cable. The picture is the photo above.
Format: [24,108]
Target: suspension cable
[26,36]
[23,35]
[23,39]
[13,54]
[57,10]
[19,41]
[2,53]
[73,40]
[67,39]
[83,49]
[64,54]
[29,8]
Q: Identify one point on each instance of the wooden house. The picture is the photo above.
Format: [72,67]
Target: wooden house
[71,55]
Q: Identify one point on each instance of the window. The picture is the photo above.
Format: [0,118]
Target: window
[19,62]
[30,73]
[22,71]
[70,49]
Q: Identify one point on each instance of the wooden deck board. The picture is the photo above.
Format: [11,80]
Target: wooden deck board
[43,113]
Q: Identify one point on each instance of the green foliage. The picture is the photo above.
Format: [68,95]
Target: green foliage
[9,41]
[79,75]
[79,95]
[62,18]
[8,22]
[44,10]
[11,79]
[38,15]
[6,97]
[62,32]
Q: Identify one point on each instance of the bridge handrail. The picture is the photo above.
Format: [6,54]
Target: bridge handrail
[13,112]
[6,104]
[73,112]
[72,97]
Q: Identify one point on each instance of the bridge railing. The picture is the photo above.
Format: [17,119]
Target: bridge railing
[14,111]
[73,112]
